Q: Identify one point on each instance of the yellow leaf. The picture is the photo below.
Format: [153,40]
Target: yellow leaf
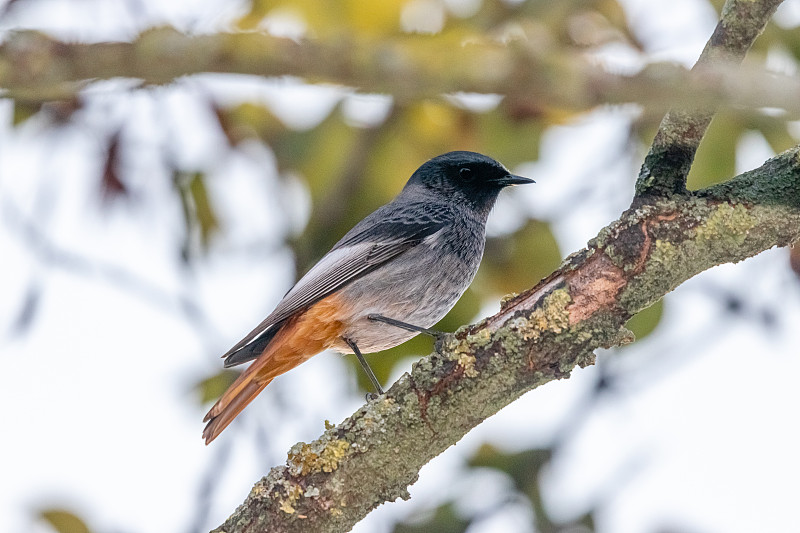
[203,210]
[645,321]
[212,387]
[374,18]
[63,521]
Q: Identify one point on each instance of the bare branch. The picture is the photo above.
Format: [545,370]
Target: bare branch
[667,164]
[332,483]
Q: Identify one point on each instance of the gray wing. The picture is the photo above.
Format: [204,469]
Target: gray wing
[380,237]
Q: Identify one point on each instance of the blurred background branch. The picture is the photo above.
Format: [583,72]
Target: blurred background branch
[521,66]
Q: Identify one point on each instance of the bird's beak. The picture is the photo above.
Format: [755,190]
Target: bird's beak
[511,179]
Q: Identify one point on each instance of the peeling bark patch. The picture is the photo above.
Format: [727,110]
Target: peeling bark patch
[532,297]
[594,287]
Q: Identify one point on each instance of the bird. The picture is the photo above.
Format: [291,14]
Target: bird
[392,276]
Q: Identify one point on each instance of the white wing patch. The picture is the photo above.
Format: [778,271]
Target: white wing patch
[336,268]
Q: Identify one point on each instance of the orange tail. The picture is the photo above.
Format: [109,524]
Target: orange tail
[301,337]
[241,392]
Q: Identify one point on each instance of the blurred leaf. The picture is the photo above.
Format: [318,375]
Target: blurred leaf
[111,186]
[443,520]
[61,111]
[776,37]
[716,157]
[198,211]
[212,387]
[24,110]
[523,467]
[226,123]
[775,131]
[63,521]
[248,120]
[258,10]
[373,18]
[318,153]
[55,111]
[594,28]
[645,321]
[717,4]
[515,262]
[510,135]
[326,19]
[204,211]
[432,120]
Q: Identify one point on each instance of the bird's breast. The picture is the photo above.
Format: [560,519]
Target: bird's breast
[418,287]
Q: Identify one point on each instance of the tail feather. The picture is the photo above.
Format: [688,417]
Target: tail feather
[300,337]
[251,350]
[229,406]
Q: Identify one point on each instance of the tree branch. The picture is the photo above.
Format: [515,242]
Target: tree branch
[667,164]
[330,484]
[36,67]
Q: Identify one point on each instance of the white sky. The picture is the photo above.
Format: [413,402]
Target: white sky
[98,416]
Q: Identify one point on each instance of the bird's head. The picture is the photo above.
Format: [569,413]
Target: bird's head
[467,178]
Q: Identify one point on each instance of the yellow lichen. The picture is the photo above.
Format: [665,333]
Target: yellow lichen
[551,316]
[293,493]
[664,252]
[467,362]
[507,298]
[480,339]
[727,222]
[304,460]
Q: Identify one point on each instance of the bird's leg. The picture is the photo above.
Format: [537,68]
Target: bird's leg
[367,370]
[403,325]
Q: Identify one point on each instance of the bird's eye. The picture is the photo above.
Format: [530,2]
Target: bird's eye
[465,173]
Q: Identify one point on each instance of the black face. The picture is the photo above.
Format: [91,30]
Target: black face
[466,177]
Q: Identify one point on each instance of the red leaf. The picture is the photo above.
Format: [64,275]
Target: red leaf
[111,184]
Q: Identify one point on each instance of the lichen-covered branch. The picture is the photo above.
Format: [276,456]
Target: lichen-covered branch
[667,164]
[372,457]
[35,67]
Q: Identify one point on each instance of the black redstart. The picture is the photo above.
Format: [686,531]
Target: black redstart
[396,273]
